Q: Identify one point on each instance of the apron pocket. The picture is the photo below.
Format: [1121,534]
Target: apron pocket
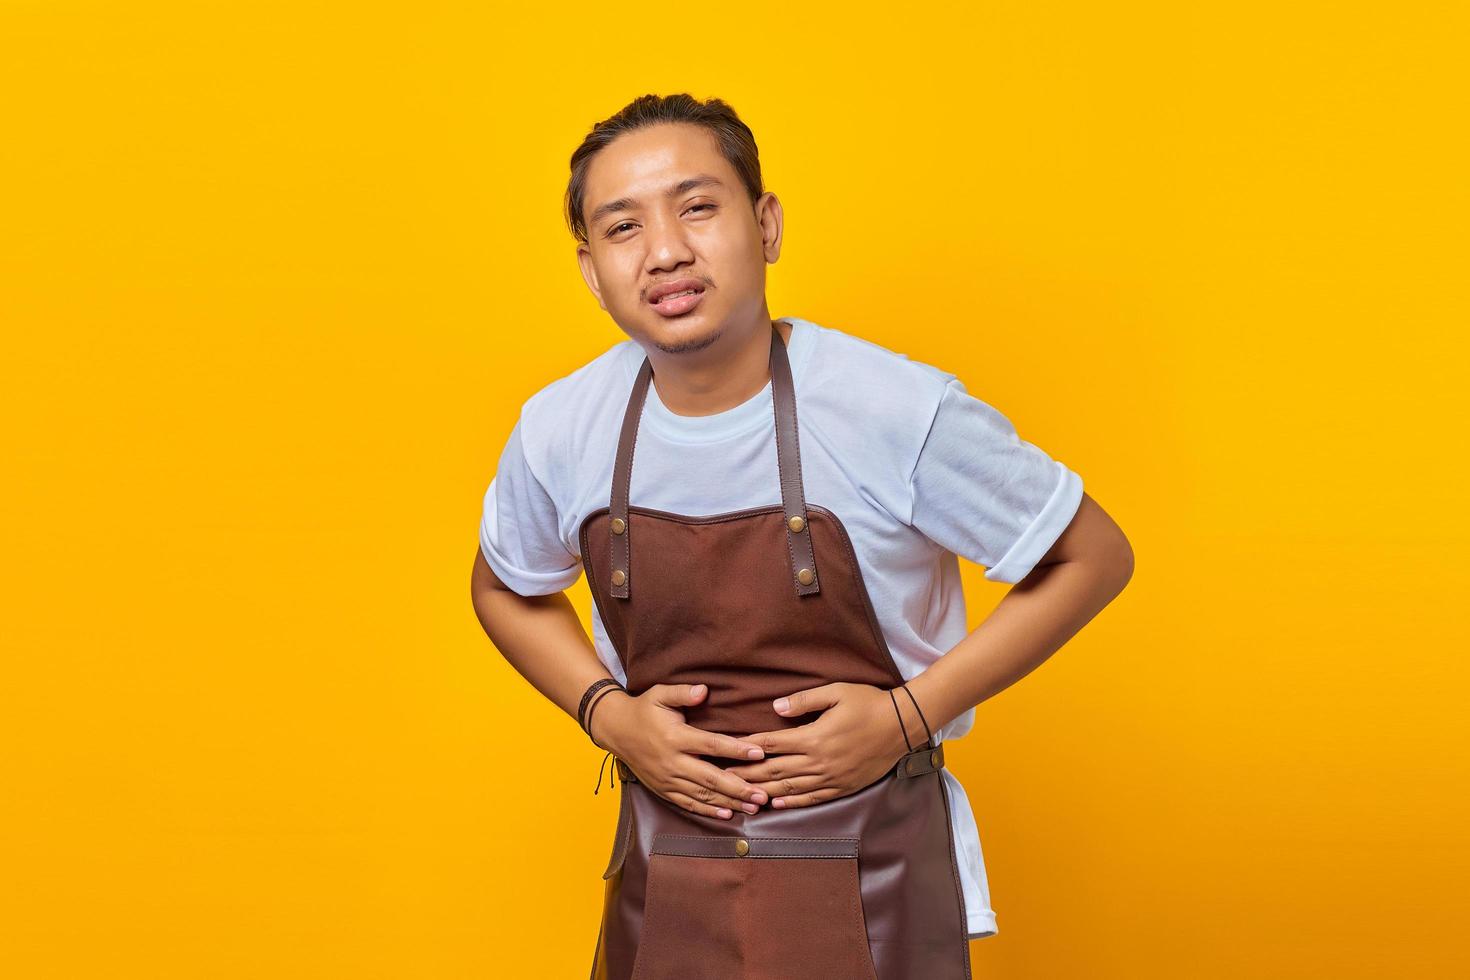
[753,908]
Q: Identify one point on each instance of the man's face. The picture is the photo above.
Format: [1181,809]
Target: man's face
[665,209]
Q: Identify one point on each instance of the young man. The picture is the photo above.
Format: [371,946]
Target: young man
[743,669]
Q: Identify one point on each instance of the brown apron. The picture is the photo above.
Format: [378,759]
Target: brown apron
[760,603]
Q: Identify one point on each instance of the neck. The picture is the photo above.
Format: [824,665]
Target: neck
[727,373]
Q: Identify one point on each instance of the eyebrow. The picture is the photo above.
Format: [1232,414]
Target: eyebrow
[627,203]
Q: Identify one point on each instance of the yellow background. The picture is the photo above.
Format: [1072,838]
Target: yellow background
[275,279]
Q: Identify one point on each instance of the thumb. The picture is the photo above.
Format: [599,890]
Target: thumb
[677,695]
[812,699]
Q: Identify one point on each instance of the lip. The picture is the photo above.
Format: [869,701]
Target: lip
[677,286]
[675,306]
[678,305]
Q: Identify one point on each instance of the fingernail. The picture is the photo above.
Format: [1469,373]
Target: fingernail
[755,754]
[759,796]
[723,813]
[749,807]
[782,704]
[698,689]
[778,803]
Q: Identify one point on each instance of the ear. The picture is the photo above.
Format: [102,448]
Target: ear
[769,216]
[589,272]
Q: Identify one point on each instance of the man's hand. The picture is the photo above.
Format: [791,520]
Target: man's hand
[841,752]
[648,732]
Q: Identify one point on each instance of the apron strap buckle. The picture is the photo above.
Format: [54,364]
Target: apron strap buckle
[921,761]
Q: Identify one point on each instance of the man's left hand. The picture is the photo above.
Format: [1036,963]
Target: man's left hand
[844,750]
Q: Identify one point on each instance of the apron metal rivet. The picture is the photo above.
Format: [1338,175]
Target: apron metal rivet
[619,577]
[742,847]
[795,523]
[934,759]
[805,576]
[618,527]
[909,767]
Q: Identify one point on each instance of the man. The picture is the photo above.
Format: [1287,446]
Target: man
[896,461]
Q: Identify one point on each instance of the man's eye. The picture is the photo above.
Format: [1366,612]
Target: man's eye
[619,227]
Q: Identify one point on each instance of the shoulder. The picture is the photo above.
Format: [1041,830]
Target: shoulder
[852,378]
[559,419]
[608,375]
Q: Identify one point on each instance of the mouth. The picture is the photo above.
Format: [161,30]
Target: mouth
[676,298]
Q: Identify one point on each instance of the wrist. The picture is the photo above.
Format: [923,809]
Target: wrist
[916,720]
[594,692]
[608,712]
[938,708]
[905,734]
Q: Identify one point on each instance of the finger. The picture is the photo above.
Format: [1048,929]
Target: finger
[776,767]
[805,799]
[812,699]
[678,695]
[695,806]
[725,746]
[794,785]
[787,741]
[712,797]
[712,776]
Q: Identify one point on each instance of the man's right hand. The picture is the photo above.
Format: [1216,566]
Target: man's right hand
[648,732]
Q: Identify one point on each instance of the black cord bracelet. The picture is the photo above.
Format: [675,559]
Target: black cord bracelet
[901,728]
[927,730]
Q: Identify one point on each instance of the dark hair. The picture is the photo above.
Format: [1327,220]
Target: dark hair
[735,140]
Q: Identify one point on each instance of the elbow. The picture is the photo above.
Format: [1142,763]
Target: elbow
[1120,563]
[485,586]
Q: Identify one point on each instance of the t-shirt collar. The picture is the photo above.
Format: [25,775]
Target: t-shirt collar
[755,411]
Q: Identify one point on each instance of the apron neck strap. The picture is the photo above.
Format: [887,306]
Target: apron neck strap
[788,462]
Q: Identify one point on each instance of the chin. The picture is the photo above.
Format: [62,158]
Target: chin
[685,334]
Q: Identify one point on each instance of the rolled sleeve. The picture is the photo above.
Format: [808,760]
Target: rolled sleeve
[1042,533]
[519,534]
[981,491]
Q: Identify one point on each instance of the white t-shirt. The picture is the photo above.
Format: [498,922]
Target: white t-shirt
[917,470]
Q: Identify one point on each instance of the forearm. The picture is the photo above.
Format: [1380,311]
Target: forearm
[1034,619]
[540,636]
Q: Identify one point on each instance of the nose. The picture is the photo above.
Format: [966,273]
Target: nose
[668,243]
